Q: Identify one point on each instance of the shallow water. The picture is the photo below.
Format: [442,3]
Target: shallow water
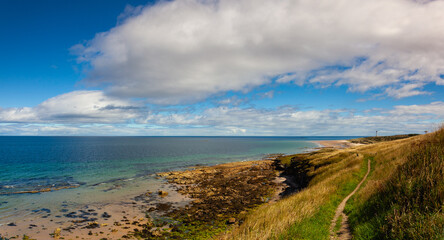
[112,169]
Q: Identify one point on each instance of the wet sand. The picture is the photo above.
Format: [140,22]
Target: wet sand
[94,221]
[220,194]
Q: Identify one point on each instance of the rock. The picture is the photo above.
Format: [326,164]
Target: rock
[156,233]
[162,193]
[106,215]
[57,233]
[231,220]
[93,225]
[12,224]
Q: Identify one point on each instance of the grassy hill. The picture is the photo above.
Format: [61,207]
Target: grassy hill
[401,199]
[368,140]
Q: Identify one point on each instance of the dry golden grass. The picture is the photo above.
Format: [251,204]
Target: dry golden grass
[404,198]
[330,169]
[387,157]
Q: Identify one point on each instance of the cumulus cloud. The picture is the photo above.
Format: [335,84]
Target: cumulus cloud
[94,113]
[75,107]
[292,121]
[434,109]
[186,50]
[224,120]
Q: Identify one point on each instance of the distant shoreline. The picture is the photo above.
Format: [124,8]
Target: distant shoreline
[337,144]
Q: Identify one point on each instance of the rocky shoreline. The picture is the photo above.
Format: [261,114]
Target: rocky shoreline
[222,196]
[197,203]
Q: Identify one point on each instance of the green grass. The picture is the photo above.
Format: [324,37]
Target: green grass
[401,199]
[369,140]
[338,224]
[409,205]
[317,226]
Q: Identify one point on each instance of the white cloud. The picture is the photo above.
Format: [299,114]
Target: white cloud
[434,109]
[291,121]
[93,113]
[186,50]
[77,106]
[229,121]
[406,91]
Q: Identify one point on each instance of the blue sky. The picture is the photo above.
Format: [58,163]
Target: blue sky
[36,38]
[220,67]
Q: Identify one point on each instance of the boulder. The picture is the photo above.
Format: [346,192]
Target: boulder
[163,193]
[231,220]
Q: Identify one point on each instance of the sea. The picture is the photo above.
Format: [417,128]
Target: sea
[92,170]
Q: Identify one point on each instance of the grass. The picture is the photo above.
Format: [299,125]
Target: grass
[408,204]
[338,224]
[369,140]
[317,226]
[330,174]
[401,199]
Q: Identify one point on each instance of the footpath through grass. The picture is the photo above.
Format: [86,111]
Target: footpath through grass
[326,177]
[409,203]
[317,226]
[402,198]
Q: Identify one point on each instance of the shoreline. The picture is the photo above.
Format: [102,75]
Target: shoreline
[336,144]
[229,191]
[126,216]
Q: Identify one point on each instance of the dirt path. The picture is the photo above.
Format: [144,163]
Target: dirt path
[344,230]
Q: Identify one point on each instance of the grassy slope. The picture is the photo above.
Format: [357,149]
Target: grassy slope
[408,213]
[368,140]
[317,226]
[331,172]
[403,201]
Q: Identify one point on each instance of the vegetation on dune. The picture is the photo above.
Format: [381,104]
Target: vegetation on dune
[402,197]
[325,176]
[409,203]
[317,226]
[369,140]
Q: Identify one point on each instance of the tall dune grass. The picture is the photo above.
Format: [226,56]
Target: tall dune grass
[328,171]
[408,200]
[405,183]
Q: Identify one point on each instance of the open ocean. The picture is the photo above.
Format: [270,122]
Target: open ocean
[105,169]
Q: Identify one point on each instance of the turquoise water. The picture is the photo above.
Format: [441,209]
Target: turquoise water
[113,168]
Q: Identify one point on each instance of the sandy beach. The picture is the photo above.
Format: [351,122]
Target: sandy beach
[114,220]
[338,144]
[220,195]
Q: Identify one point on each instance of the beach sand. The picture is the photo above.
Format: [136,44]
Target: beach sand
[93,221]
[210,193]
[337,144]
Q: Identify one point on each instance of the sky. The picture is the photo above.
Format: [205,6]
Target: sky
[221,67]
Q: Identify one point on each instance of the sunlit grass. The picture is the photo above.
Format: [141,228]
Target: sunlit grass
[403,172]
[405,199]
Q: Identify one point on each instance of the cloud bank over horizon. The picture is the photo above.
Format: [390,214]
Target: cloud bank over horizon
[93,113]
